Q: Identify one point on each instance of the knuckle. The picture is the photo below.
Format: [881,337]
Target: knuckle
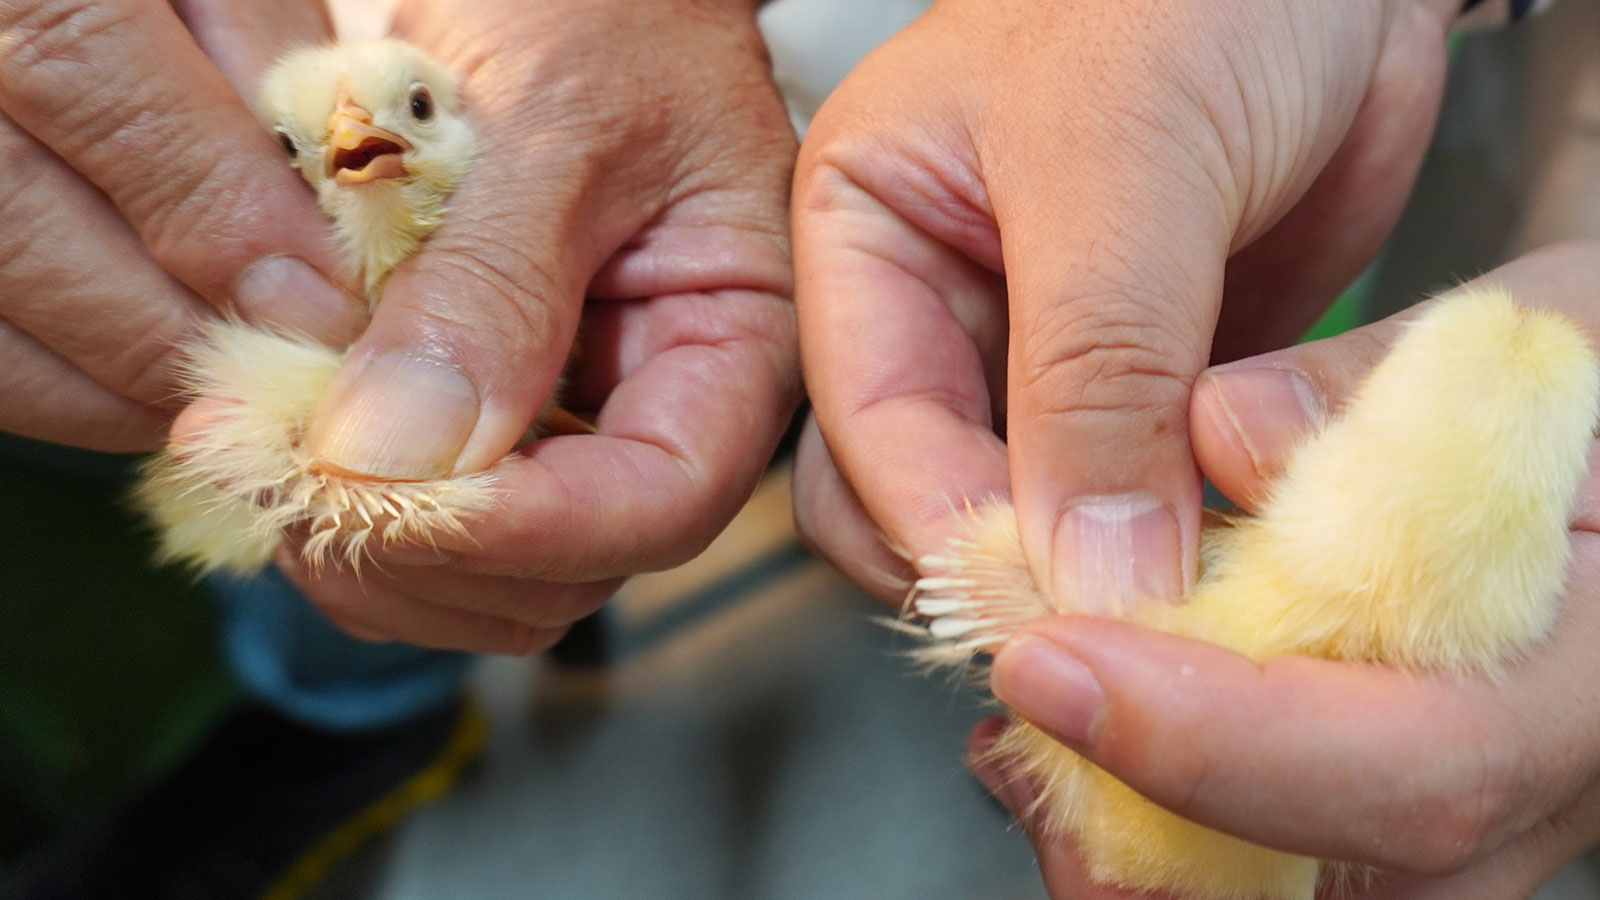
[204,212]
[495,291]
[47,45]
[1460,818]
[66,74]
[151,360]
[1191,784]
[1449,839]
[1103,353]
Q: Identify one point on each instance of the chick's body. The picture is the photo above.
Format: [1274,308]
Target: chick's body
[1426,529]
[376,129]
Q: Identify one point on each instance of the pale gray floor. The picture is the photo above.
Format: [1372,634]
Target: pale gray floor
[773,748]
[766,743]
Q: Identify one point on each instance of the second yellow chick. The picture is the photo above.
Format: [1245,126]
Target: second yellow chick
[1425,529]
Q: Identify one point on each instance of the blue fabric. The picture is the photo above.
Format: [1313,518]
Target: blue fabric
[288,655]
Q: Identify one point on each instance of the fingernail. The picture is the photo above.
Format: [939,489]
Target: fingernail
[401,417]
[285,291]
[1115,552]
[1049,687]
[1271,411]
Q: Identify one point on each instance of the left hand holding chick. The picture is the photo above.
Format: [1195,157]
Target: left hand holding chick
[1459,789]
[632,156]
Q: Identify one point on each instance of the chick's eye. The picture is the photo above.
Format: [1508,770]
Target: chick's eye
[288,143]
[421,104]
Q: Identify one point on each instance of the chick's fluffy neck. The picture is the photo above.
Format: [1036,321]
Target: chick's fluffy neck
[381,223]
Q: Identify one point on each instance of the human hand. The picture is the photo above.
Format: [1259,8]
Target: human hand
[1454,788]
[138,197]
[1027,218]
[634,154]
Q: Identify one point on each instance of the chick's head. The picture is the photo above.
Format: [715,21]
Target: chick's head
[377,129]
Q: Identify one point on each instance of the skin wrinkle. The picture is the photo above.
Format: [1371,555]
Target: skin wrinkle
[532,319]
[1086,347]
[956,212]
[366,602]
[139,368]
[680,450]
[700,318]
[147,367]
[186,225]
[51,383]
[846,186]
[19,151]
[38,35]
[589,518]
[20,246]
[885,387]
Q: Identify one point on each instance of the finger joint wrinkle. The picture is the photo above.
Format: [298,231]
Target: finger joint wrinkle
[41,43]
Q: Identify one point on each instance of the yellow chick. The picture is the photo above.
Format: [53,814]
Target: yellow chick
[376,128]
[1426,529]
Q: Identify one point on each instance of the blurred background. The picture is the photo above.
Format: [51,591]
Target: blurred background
[738,728]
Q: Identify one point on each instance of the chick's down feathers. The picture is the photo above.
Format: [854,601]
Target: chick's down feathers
[377,130]
[1426,529]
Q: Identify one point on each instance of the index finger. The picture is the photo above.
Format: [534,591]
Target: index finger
[901,317]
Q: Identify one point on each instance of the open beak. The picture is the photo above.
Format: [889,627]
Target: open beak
[359,151]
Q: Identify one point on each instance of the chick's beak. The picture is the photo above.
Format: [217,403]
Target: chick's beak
[359,151]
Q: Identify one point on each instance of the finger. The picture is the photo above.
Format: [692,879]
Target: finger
[245,38]
[681,443]
[49,399]
[374,611]
[1518,870]
[1276,287]
[894,317]
[1418,773]
[833,523]
[67,258]
[1114,274]
[519,600]
[1249,415]
[122,94]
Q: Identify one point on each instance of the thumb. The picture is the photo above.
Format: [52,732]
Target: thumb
[471,334]
[468,341]
[1114,289]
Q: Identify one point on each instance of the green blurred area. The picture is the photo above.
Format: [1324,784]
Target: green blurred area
[1345,313]
[107,666]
